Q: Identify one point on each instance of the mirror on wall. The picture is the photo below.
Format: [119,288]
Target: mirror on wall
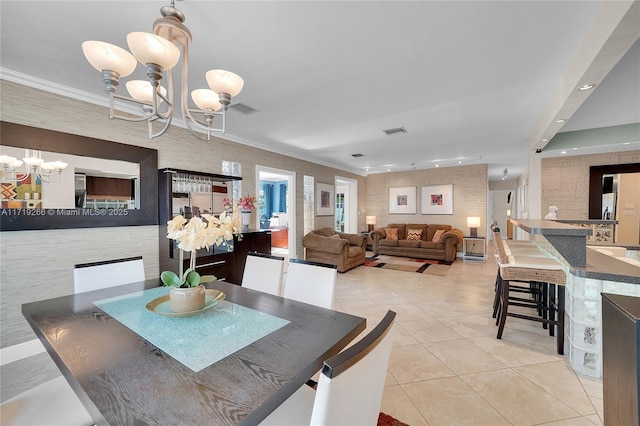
[103,184]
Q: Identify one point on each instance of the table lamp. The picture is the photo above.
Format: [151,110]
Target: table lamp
[473,222]
[371,221]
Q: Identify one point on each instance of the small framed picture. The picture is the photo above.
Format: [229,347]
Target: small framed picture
[402,200]
[436,199]
[325,205]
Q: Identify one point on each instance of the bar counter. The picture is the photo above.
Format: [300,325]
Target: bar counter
[589,273]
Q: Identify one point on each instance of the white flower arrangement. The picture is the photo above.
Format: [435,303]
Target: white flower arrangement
[194,234]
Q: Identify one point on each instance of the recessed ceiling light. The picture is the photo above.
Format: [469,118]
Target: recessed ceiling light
[586,87]
[562,120]
[626,143]
[544,140]
[459,161]
[563,152]
[437,165]
[388,170]
[575,149]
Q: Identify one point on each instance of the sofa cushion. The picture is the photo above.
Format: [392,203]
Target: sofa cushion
[402,229]
[431,229]
[420,226]
[432,245]
[414,234]
[392,233]
[437,237]
[325,232]
[389,243]
[335,236]
[354,251]
[409,243]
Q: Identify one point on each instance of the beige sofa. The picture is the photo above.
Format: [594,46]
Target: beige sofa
[325,245]
[424,248]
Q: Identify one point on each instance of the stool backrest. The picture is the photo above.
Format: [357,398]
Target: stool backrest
[503,259]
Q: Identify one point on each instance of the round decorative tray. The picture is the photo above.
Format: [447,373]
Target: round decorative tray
[161,305]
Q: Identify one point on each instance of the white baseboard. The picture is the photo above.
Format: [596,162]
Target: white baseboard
[20,351]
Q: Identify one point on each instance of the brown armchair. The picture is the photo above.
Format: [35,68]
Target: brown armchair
[325,245]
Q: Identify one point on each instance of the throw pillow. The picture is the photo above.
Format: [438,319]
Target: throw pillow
[438,235]
[335,236]
[414,234]
[392,233]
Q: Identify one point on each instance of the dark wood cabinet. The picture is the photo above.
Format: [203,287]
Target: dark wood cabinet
[111,188]
[226,262]
[620,359]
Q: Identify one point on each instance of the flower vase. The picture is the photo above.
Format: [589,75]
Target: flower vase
[188,299]
[246,218]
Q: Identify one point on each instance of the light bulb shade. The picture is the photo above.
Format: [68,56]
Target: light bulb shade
[473,222]
[48,166]
[152,49]
[33,161]
[142,90]
[105,56]
[371,220]
[15,164]
[206,99]
[5,159]
[59,165]
[221,81]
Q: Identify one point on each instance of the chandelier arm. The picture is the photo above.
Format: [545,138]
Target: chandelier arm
[113,113]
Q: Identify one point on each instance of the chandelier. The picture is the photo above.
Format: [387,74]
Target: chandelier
[48,172]
[159,53]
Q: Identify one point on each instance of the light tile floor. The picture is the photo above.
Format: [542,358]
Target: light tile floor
[448,368]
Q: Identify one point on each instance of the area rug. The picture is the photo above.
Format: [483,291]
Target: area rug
[387,420]
[409,264]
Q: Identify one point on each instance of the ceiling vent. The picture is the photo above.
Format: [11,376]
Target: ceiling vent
[390,132]
[357,155]
[243,109]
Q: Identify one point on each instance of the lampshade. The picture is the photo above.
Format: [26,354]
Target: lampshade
[152,49]
[105,56]
[221,81]
[5,159]
[206,99]
[473,222]
[371,220]
[142,90]
[33,161]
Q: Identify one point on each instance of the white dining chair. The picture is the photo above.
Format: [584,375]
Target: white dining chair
[310,282]
[350,388]
[263,272]
[109,273]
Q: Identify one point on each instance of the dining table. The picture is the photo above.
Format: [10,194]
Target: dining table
[131,361]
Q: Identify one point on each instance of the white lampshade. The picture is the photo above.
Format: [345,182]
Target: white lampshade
[371,220]
[152,49]
[48,166]
[105,56]
[473,222]
[142,90]
[59,165]
[5,159]
[15,164]
[33,161]
[206,99]
[221,81]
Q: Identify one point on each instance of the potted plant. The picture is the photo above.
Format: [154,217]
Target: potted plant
[187,293]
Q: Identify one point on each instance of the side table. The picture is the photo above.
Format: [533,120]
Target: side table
[474,248]
[369,240]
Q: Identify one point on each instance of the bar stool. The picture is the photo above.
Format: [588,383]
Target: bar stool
[547,271]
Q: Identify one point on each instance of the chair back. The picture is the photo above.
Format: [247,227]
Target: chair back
[310,282]
[351,384]
[109,273]
[263,272]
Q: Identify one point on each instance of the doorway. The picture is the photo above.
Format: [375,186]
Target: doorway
[276,211]
[346,216]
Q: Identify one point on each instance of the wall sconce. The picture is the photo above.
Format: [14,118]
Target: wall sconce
[473,222]
[371,221]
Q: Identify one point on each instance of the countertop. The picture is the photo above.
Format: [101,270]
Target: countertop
[603,267]
[550,227]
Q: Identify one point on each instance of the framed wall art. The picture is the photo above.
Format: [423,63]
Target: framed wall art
[402,200]
[325,204]
[437,199]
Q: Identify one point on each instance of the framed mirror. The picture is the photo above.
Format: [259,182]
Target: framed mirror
[105,183]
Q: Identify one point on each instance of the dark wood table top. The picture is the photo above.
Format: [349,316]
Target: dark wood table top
[123,380]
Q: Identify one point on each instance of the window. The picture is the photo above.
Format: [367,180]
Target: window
[233,169]
[308,204]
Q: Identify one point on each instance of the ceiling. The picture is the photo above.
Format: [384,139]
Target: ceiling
[470,81]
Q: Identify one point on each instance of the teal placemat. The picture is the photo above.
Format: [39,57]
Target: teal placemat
[196,341]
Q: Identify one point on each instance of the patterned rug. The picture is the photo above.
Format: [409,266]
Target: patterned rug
[409,264]
[387,420]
